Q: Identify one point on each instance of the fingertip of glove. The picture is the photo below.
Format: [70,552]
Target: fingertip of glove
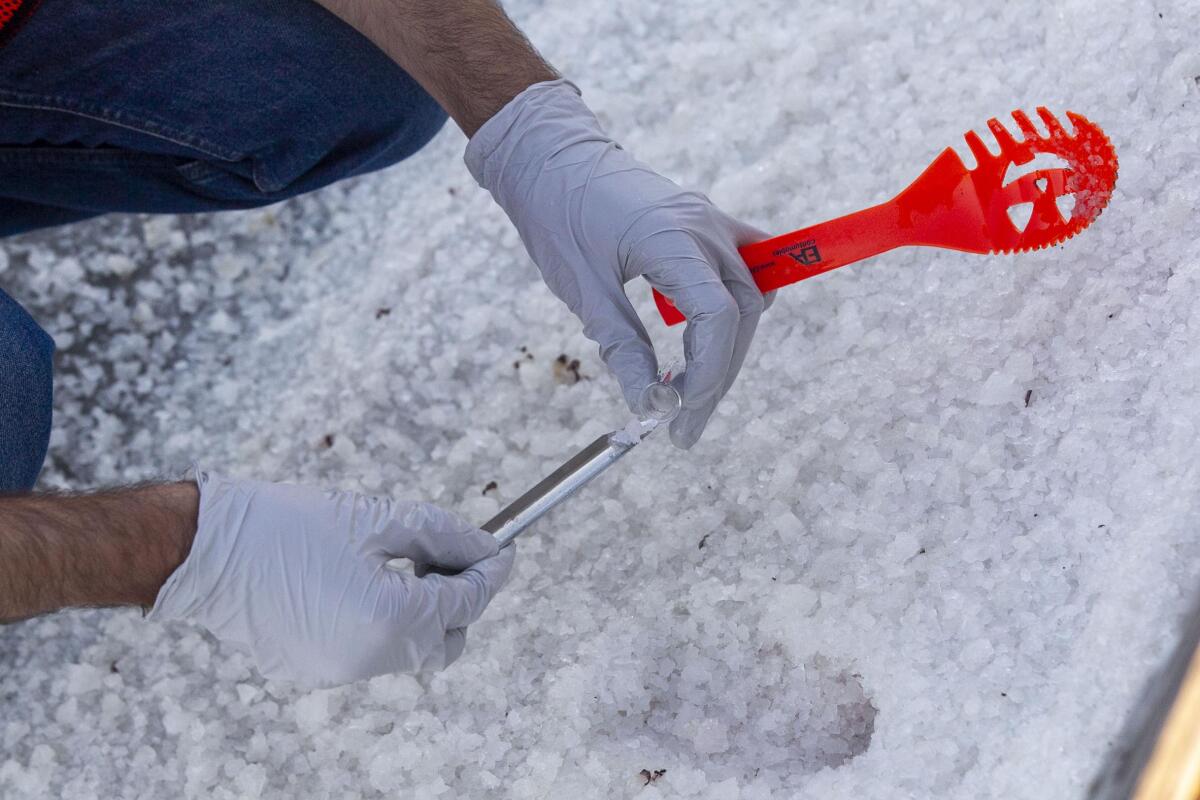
[455,644]
[509,552]
[484,544]
[497,568]
[685,431]
[476,547]
[633,364]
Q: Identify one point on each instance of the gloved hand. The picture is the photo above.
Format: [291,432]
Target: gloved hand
[593,218]
[297,576]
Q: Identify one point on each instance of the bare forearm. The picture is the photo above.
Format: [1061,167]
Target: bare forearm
[466,53]
[104,549]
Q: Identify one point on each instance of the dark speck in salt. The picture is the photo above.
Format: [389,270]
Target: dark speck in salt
[649,777]
[566,370]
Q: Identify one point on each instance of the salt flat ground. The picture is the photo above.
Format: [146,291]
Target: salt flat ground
[936,539]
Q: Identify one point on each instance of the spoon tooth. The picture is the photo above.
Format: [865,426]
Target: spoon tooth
[1057,131]
[1026,126]
[1008,145]
[978,149]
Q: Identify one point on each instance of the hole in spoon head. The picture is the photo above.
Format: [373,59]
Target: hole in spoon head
[1019,214]
[1066,205]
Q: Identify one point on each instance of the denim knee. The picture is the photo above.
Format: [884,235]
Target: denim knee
[26,396]
[368,140]
[352,137]
[250,102]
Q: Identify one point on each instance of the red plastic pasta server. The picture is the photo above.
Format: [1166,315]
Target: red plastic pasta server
[953,207]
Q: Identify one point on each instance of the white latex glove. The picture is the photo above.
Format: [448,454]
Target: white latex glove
[297,576]
[594,218]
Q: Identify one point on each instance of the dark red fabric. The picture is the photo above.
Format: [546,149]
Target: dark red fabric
[13,14]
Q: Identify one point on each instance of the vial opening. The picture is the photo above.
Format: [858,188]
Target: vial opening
[659,402]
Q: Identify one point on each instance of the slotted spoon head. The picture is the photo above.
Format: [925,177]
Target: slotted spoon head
[1088,178]
[951,206]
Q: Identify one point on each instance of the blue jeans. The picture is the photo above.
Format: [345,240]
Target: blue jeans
[25,396]
[175,106]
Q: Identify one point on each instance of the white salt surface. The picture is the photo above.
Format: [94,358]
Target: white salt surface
[882,574]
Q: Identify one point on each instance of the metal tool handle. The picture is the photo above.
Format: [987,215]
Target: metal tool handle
[659,402]
[558,486]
